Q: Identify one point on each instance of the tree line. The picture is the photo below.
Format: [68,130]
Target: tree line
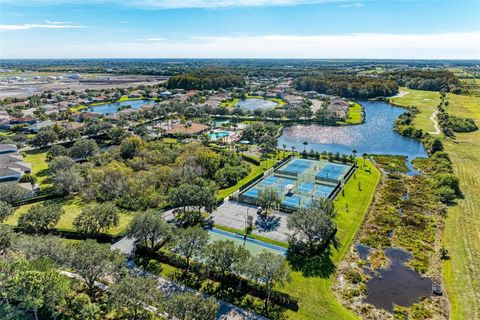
[348,86]
[431,80]
[205,81]
[34,281]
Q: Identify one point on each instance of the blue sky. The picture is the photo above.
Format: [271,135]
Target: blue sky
[239,29]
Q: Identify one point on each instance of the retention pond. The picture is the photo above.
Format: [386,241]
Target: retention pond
[397,285]
[375,136]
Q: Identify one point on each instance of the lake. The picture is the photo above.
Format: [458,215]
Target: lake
[110,108]
[253,104]
[375,136]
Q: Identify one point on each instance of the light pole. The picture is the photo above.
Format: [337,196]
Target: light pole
[245,235]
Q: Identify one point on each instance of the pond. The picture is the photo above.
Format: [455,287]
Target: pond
[398,284]
[110,108]
[253,104]
[375,136]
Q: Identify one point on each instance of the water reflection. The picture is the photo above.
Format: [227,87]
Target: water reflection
[375,136]
[397,285]
[109,108]
[252,104]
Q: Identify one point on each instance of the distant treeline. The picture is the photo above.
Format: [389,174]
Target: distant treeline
[205,81]
[348,86]
[432,80]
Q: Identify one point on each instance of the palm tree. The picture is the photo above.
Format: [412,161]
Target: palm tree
[284,147]
[293,149]
[305,143]
[354,152]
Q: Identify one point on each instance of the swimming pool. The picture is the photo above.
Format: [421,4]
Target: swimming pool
[252,245]
[218,135]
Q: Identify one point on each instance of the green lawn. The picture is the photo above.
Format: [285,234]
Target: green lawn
[39,167]
[72,206]
[426,101]
[4,133]
[316,299]
[462,225]
[229,104]
[354,115]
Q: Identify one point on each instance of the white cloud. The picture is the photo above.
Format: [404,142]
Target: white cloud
[353,5]
[365,46]
[177,4]
[156,39]
[58,22]
[28,26]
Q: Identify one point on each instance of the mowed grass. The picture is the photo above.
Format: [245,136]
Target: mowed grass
[426,101]
[38,159]
[462,225]
[354,115]
[316,298]
[72,207]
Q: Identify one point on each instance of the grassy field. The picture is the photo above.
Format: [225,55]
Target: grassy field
[312,283]
[72,207]
[39,167]
[354,115]
[229,104]
[462,225]
[4,133]
[426,101]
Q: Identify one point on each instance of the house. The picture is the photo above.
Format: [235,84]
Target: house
[165,94]
[14,161]
[73,125]
[10,174]
[339,107]
[8,148]
[25,120]
[114,117]
[188,129]
[36,127]
[29,189]
[87,115]
[147,107]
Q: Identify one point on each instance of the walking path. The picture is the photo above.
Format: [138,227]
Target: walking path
[435,123]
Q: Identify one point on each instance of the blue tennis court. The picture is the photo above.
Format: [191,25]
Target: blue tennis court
[323,190]
[306,187]
[331,171]
[310,180]
[276,182]
[297,166]
[293,201]
[252,193]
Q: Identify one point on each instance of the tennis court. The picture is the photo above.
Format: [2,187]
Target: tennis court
[293,201]
[323,190]
[296,167]
[299,183]
[332,171]
[306,187]
[276,182]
